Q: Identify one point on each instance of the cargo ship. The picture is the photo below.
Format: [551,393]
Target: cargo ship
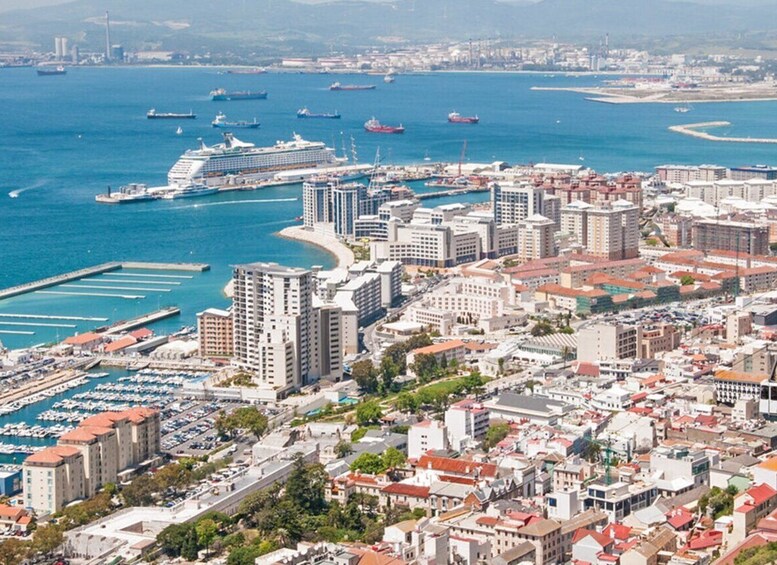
[221,122]
[220,164]
[152,114]
[51,71]
[305,113]
[456,118]
[338,86]
[221,95]
[374,126]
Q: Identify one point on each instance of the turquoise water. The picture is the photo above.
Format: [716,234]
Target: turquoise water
[66,138]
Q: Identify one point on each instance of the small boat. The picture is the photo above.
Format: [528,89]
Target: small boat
[179,131]
[221,95]
[337,86]
[97,375]
[389,78]
[152,114]
[682,109]
[305,113]
[456,118]
[221,122]
[374,126]
[51,71]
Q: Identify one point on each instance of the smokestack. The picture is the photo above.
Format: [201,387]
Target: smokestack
[107,38]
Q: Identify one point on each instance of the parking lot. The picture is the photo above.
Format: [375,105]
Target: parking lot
[189,426]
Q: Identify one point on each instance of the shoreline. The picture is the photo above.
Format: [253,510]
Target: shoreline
[690,130]
[344,257]
[596,94]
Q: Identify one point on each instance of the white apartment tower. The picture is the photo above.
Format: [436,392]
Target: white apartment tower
[273,311]
[513,203]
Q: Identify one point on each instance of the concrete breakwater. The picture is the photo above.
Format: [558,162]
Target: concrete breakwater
[97,270]
[692,130]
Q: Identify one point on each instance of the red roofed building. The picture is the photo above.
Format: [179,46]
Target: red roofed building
[404,494]
[119,344]
[680,519]
[14,518]
[749,507]
[449,350]
[85,342]
[456,467]
[592,547]
[90,456]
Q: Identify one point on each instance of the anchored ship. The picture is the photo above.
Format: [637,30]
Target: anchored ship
[338,86]
[305,113]
[456,118]
[221,95]
[51,71]
[374,126]
[129,193]
[152,114]
[216,165]
[221,122]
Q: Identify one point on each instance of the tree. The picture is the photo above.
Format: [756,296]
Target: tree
[388,372]
[206,531]
[247,418]
[496,433]
[393,458]
[542,328]
[179,540]
[368,413]
[343,449]
[406,402]
[363,372]
[369,463]
[13,551]
[243,555]
[686,280]
[305,486]
[46,539]
[425,367]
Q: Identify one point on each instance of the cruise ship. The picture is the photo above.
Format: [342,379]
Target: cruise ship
[216,165]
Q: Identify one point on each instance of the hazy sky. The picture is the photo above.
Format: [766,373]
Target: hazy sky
[6,5]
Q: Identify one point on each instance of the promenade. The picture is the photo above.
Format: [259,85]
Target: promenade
[343,256]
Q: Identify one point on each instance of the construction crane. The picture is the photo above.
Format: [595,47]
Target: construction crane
[463,154]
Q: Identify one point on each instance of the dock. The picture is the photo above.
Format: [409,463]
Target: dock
[103,268]
[143,320]
[452,192]
[58,279]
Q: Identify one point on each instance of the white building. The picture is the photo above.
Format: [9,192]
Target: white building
[425,436]
[467,421]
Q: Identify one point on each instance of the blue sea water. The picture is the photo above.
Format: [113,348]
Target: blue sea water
[66,138]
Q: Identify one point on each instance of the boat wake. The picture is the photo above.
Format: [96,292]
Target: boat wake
[18,191]
[231,203]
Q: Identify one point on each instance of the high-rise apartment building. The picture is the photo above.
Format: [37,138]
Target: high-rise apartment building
[609,231]
[744,237]
[279,335]
[513,203]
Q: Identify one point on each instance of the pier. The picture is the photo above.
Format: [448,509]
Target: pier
[690,129]
[72,276]
[143,320]
[58,279]
[452,192]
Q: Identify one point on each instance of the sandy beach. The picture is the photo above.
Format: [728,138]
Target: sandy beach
[343,256]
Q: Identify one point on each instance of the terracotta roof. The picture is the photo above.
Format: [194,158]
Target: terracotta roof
[406,490]
[12,512]
[82,339]
[78,435]
[708,538]
[601,539]
[770,464]
[52,455]
[617,531]
[120,344]
[726,375]
[760,493]
[679,518]
[439,347]
[459,466]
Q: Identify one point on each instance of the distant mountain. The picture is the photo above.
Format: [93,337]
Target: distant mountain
[273,27]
